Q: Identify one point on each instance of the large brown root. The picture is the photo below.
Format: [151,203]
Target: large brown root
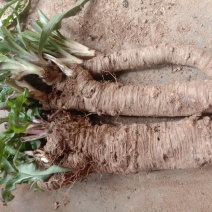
[82,93]
[132,148]
[151,56]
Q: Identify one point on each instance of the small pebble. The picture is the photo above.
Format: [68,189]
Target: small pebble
[126,3]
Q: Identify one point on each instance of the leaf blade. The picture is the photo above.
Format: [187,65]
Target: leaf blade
[55,23]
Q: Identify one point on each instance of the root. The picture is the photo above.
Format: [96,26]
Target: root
[81,92]
[151,56]
[55,182]
[60,180]
[128,149]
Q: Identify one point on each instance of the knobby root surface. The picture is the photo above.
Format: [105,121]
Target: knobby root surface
[127,149]
[81,92]
[151,56]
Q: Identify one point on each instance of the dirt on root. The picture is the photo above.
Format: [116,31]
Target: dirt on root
[112,25]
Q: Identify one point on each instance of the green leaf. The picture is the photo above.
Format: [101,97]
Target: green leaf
[13,151]
[18,121]
[19,10]
[24,8]
[30,36]
[2,146]
[5,92]
[4,58]
[4,137]
[35,144]
[6,166]
[33,172]
[27,173]
[6,179]
[36,112]
[55,23]
[7,196]
[2,10]
[9,37]
[18,27]
[12,42]
[36,26]
[43,18]
[4,74]
[11,185]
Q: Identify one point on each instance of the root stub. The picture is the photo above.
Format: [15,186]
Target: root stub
[151,56]
[131,148]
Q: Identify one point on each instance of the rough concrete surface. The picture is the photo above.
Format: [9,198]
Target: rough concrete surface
[108,26]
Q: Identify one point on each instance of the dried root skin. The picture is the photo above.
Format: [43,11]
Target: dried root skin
[137,147]
[151,56]
[85,94]
[55,182]
[59,180]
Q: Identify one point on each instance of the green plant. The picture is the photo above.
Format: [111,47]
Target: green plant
[23,53]
[75,142]
[20,9]
[16,165]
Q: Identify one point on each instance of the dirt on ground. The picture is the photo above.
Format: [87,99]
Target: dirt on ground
[113,25]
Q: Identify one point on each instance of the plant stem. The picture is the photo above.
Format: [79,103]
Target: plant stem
[33,137]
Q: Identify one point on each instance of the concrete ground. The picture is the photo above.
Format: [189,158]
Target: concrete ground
[108,26]
[185,190]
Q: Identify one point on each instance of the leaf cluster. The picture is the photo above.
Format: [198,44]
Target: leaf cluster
[24,52]
[19,8]
[11,148]
[16,166]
